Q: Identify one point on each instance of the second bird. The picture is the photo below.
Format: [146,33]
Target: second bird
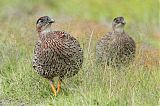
[116,48]
[56,54]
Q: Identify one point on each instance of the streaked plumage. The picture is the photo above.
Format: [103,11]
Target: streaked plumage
[57,53]
[116,48]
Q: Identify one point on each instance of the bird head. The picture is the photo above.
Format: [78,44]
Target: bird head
[44,23]
[118,24]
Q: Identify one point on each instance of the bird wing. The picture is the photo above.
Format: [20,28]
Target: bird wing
[103,45]
[58,47]
[104,42]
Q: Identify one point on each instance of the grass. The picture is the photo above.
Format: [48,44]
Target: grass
[138,84]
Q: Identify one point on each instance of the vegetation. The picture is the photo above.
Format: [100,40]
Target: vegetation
[138,84]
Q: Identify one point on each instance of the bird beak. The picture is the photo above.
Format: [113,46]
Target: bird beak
[123,22]
[51,21]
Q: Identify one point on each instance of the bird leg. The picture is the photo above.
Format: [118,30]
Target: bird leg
[59,85]
[53,88]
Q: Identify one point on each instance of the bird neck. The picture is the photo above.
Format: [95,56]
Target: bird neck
[43,30]
[118,30]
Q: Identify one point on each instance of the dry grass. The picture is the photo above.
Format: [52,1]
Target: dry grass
[94,85]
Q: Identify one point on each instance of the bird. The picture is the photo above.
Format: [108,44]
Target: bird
[116,48]
[56,53]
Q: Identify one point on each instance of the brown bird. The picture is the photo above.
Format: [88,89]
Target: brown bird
[116,48]
[56,53]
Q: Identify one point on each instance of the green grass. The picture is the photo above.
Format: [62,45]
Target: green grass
[94,85]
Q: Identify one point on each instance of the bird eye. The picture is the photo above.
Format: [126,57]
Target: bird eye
[117,21]
[40,21]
